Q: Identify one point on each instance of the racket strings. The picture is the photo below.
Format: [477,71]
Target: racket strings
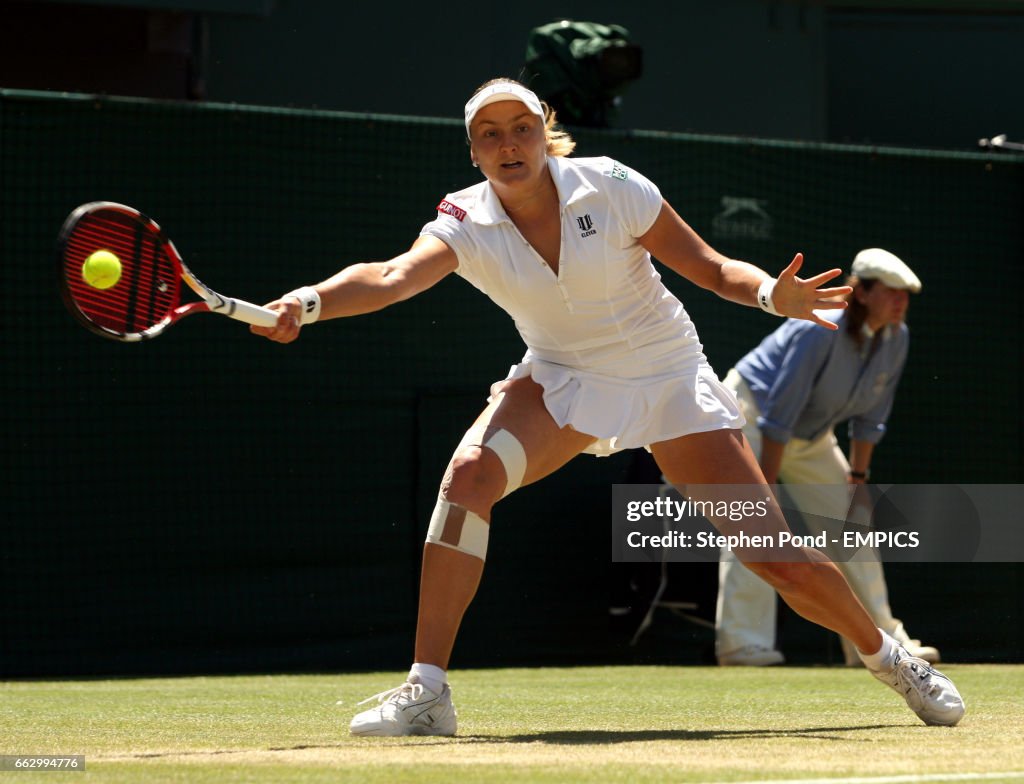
[149,287]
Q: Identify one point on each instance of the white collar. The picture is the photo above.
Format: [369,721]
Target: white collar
[868,343]
[570,182]
[869,333]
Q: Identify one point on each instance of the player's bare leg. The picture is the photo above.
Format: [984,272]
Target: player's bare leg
[477,477]
[812,586]
[808,582]
[476,480]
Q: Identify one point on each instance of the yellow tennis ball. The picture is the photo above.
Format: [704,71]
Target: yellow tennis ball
[102,270]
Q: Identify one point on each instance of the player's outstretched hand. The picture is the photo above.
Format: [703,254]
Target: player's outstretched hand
[289,313]
[799,298]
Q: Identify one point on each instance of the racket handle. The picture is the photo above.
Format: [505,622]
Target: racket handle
[251,314]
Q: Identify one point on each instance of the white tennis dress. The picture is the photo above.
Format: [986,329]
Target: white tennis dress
[614,350]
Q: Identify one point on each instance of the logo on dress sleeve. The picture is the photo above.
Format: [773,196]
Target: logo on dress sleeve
[450,209]
[618,172]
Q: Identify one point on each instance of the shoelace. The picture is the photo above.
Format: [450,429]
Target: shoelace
[920,680]
[415,690]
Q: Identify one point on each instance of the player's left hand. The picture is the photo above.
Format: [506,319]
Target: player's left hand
[799,298]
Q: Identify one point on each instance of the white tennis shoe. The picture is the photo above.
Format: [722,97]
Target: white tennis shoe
[410,709]
[751,656]
[929,693]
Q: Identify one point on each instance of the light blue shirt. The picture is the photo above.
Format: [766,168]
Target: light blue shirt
[806,379]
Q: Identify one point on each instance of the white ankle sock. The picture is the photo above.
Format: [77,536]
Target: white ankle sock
[881,659]
[429,675]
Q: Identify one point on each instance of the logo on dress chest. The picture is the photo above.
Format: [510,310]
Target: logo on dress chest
[586,226]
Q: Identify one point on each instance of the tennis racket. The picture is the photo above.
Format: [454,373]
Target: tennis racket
[146,299]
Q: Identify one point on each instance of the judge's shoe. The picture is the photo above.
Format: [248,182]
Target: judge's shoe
[751,656]
[914,647]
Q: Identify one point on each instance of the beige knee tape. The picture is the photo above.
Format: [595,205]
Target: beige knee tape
[506,446]
[456,527]
[511,454]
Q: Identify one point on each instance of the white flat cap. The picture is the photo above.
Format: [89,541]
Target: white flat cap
[878,264]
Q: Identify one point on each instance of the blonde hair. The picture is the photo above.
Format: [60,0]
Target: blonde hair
[559,143]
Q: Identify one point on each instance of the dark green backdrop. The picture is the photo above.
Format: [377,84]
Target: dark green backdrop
[214,502]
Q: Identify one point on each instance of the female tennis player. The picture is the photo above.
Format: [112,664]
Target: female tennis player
[613,362]
[794,388]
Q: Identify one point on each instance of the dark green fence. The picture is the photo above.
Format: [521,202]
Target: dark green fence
[211,501]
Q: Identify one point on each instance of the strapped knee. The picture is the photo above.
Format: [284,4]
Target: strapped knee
[456,527]
[508,450]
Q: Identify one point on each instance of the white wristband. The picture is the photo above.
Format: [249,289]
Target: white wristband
[310,301]
[764,296]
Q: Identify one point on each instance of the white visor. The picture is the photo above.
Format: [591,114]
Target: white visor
[502,91]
